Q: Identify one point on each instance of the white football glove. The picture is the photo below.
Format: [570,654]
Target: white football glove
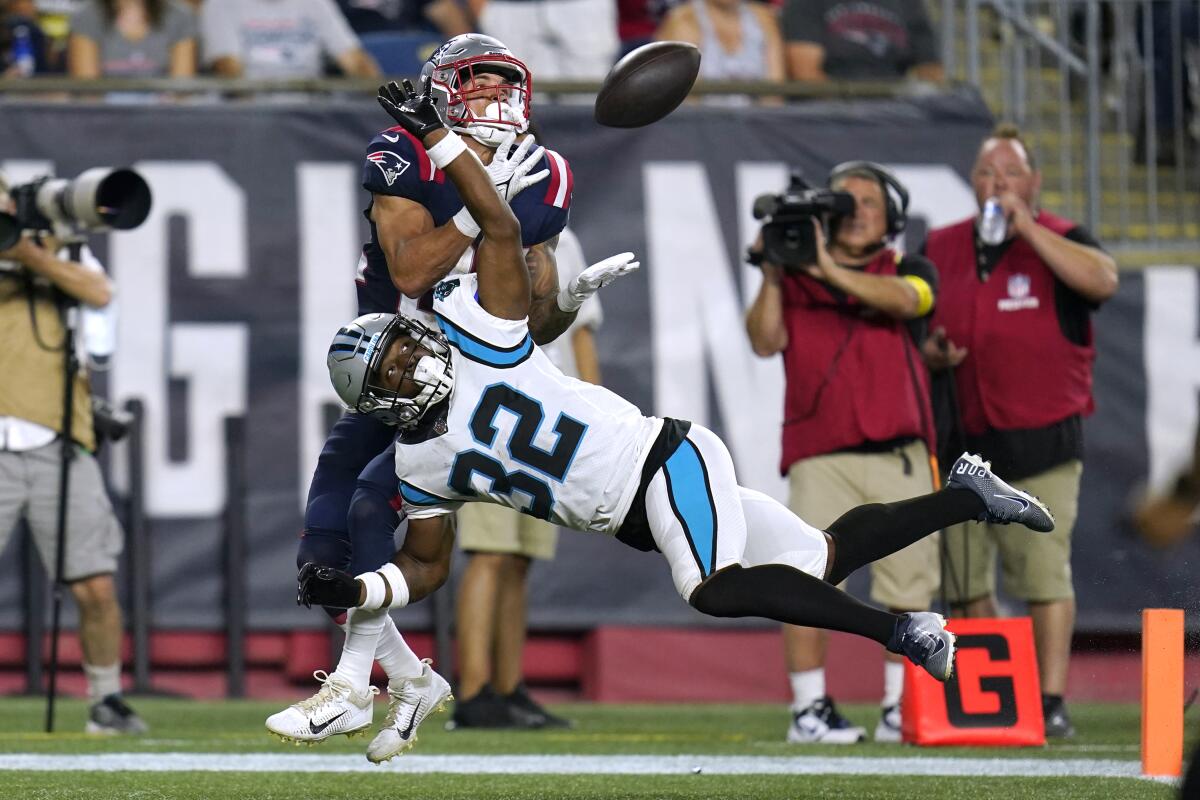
[595,278]
[510,168]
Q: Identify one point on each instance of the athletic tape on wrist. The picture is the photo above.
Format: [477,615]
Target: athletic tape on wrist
[466,224]
[568,301]
[395,579]
[446,150]
[376,588]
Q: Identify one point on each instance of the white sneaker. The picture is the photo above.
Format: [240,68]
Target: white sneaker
[821,723]
[888,728]
[411,701]
[336,708]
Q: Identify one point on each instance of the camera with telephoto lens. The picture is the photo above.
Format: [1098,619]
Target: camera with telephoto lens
[789,240]
[100,199]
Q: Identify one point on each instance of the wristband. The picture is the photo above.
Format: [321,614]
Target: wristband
[465,223]
[373,583]
[395,579]
[446,150]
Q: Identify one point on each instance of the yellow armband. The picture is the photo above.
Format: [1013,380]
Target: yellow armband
[924,294]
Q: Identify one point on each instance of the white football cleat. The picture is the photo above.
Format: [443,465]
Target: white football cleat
[336,708]
[411,701]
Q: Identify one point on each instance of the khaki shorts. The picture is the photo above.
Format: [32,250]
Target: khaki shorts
[492,528]
[29,490]
[1036,566]
[822,488]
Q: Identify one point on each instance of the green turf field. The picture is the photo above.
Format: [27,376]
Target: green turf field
[196,738]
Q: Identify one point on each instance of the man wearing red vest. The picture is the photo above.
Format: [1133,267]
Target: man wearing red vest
[1013,322]
[857,422]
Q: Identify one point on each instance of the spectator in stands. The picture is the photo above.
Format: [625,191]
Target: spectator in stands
[860,40]
[1013,322]
[132,39]
[557,39]
[491,615]
[738,39]
[280,39]
[857,427]
[23,45]
[638,21]
[447,18]
[35,275]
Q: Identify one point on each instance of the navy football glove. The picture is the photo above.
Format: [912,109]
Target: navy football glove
[326,586]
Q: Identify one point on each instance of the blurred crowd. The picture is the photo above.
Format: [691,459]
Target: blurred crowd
[808,40]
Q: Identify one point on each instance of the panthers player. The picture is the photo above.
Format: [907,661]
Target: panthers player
[420,232]
[485,416]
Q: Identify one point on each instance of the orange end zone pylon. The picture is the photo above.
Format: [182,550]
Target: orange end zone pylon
[1162,691]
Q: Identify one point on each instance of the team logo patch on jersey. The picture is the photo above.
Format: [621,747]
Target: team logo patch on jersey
[443,289]
[391,165]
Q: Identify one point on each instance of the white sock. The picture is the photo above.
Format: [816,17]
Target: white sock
[102,681]
[807,687]
[358,653]
[394,655]
[893,683]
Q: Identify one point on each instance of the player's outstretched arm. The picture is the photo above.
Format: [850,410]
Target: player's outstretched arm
[503,277]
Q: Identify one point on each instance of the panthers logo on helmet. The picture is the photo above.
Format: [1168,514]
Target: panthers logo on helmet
[390,164]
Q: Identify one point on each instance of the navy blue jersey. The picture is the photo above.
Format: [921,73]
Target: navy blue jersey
[397,164]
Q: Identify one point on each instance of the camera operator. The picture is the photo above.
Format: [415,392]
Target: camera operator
[34,279]
[857,422]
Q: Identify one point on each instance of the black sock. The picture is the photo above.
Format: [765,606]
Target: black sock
[1051,702]
[786,594]
[868,533]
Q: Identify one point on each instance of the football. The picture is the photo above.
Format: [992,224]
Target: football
[647,84]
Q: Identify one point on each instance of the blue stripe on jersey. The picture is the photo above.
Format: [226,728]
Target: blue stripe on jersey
[412,494]
[691,500]
[476,349]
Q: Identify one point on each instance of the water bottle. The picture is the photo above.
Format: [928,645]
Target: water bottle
[993,225]
[22,51]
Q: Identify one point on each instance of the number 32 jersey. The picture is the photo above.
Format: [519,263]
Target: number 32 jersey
[519,432]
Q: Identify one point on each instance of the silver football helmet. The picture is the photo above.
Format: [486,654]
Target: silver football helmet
[456,63]
[354,359]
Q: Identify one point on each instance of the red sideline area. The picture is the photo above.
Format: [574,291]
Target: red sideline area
[607,664]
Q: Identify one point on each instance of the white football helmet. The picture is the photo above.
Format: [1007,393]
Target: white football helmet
[456,63]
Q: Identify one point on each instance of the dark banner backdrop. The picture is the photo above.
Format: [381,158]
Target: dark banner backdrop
[230,291]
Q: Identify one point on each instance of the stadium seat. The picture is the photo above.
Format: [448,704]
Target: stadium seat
[400,52]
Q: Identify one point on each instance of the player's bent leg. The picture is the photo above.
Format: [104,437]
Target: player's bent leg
[374,514]
[336,708]
[410,701]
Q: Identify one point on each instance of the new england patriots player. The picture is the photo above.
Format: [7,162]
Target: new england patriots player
[485,416]
[420,232]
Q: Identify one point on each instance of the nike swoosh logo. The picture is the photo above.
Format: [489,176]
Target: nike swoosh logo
[392,139]
[412,721]
[316,729]
[1023,502]
[941,645]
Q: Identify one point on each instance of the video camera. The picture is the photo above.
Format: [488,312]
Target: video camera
[99,199]
[788,237]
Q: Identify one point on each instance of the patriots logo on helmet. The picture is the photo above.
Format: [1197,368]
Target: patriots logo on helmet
[390,164]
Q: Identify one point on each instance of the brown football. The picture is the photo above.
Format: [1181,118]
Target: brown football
[647,84]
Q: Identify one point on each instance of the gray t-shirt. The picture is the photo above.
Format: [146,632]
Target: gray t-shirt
[275,38]
[864,39]
[148,58]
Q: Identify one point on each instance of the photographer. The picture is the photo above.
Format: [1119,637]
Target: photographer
[847,315]
[34,281]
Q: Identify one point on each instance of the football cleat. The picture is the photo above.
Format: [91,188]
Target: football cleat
[1004,503]
[112,715]
[336,708]
[410,702]
[888,728]
[821,723]
[922,636]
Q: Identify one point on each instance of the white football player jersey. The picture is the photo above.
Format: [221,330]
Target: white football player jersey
[519,432]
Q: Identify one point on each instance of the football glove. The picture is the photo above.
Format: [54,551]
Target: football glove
[416,113]
[326,586]
[595,278]
[510,167]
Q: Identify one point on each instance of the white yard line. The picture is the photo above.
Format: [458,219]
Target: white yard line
[575,765]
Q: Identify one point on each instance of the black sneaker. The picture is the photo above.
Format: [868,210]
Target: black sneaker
[1058,722]
[525,707]
[113,716]
[1004,503]
[485,710]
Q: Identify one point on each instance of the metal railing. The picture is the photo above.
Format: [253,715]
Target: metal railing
[1108,93]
